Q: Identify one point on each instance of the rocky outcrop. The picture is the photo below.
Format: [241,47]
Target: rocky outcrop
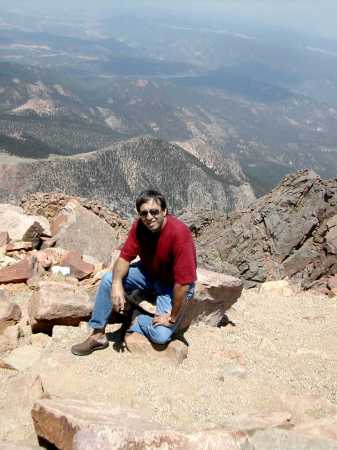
[290,232]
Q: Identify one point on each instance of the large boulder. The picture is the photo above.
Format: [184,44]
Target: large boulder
[215,293]
[20,226]
[77,425]
[76,228]
[58,303]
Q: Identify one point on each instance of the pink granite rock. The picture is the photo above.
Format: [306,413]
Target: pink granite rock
[215,293]
[19,272]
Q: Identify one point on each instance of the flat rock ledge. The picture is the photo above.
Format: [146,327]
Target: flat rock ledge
[77,425]
[71,424]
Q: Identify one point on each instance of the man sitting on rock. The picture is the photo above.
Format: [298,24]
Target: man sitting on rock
[167,268]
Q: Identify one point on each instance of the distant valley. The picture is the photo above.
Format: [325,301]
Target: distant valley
[261,114]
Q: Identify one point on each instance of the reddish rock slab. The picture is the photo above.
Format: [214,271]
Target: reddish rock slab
[10,314]
[4,238]
[58,303]
[19,272]
[78,268]
[215,293]
[78,425]
[174,352]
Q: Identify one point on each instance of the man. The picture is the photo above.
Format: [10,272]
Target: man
[167,268]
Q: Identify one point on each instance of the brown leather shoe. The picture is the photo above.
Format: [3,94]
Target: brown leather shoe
[88,346]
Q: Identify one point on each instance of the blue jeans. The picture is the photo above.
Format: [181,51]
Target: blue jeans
[137,278]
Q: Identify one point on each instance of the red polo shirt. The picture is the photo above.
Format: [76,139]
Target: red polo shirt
[168,256]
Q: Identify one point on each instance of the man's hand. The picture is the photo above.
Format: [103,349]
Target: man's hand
[117,297]
[163,320]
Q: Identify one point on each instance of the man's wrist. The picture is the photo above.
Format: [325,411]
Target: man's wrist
[172,320]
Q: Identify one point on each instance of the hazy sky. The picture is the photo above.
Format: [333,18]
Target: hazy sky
[304,15]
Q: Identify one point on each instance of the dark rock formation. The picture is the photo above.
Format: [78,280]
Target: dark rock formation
[291,232]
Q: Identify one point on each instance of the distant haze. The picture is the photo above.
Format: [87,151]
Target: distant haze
[309,16]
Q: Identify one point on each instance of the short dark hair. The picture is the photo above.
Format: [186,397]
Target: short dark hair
[150,194]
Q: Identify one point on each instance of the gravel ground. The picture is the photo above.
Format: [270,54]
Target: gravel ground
[278,348]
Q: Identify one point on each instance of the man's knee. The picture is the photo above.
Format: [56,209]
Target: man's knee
[160,335]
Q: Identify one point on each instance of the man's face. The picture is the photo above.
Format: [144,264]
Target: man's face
[152,216]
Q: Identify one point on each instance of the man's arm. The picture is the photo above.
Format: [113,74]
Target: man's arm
[179,298]
[120,270]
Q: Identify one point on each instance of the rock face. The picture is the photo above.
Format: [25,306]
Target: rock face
[57,303]
[290,232]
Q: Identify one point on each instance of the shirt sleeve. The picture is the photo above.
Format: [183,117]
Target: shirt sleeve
[130,248]
[185,265]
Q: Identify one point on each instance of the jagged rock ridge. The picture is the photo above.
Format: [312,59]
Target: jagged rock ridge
[291,232]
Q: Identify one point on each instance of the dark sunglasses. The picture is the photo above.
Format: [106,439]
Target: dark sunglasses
[153,212]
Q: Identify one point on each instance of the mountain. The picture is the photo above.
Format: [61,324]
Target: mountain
[118,173]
